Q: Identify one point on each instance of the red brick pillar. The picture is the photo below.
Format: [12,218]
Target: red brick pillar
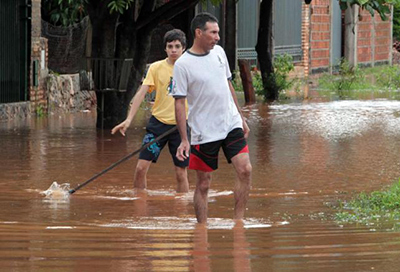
[320,32]
[305,38]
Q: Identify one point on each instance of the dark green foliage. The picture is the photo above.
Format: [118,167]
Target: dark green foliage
[278,81]
[396,22]
[379,206]
[63,12]
[380,6]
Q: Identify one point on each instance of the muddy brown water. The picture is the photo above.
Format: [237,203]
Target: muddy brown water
[304,156]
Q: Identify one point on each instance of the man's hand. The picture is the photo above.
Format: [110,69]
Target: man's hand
[246,129]
[182,153]
[121,127]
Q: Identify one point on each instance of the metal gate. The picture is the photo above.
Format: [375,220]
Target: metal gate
[287,28]
[14,26]
[247,29]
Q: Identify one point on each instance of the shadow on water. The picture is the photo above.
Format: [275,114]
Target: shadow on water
[304,155]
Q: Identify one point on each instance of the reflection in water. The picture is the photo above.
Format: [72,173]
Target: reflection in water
[241,252]
[201,252]
[303,155]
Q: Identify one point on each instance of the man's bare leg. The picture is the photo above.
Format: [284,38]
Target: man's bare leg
[139,179]
[243,168]
[182,179]
[201,195]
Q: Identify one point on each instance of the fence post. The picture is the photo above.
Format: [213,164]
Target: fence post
[247,81]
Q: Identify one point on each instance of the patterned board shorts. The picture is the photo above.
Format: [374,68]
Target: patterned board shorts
[153,130]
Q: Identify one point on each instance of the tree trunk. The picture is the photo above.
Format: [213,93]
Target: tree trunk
[230,33]
[264,50]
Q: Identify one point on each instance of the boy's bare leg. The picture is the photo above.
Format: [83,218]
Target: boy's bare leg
[182,180]
[243,168]
[139,179]
[201,195]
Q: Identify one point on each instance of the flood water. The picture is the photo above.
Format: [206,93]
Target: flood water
[304,155]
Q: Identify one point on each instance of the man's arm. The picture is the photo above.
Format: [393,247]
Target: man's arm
[136,101]
[180,115]
[246,128]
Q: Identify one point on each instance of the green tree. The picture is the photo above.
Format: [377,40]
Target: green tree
[264,40]
[396,22]
[63,12]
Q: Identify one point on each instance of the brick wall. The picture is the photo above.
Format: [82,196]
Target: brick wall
[37,94]
[320,35]
[373,40]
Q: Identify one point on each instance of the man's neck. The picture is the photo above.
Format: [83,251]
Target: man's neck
[197,49]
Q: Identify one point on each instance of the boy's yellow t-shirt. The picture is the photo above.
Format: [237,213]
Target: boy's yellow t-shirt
[159,78]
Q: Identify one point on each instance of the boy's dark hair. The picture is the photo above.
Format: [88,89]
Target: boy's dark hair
[200,20]
[175,35]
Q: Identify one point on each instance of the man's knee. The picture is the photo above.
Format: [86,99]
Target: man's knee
[203,183]
[244,171]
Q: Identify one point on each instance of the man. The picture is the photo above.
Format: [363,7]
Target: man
[159,78]
[202,76]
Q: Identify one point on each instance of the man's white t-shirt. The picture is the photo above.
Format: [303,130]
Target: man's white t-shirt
[203,80]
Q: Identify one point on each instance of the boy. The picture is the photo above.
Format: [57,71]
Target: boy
[159,78]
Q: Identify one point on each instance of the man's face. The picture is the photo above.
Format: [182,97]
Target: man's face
[174,49]
[210,36]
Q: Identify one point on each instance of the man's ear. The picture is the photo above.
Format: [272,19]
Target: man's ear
[197,32]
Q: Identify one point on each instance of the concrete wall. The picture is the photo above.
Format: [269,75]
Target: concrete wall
[65,95]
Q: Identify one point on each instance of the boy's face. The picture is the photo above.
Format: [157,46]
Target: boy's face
[174,49]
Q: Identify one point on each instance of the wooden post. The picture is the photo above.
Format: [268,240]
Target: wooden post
[247,81]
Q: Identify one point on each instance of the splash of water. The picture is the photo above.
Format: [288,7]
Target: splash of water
[58,191]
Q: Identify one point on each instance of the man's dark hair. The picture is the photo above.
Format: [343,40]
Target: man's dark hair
[200,21]
[175,35]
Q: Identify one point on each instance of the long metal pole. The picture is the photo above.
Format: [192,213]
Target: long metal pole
[122,160]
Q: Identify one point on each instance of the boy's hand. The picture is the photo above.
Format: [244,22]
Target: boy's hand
[121,128]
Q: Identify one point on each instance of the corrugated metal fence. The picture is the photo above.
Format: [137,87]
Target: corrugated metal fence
[14,19]
[287,28]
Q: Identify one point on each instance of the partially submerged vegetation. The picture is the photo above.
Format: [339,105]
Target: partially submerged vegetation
[350,80]
[375,208]
[346,82]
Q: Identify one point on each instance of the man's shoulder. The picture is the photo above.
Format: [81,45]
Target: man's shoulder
[183,59]
[217,49]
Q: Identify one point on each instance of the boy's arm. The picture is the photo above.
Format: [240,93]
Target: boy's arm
[246,128]
[136,101]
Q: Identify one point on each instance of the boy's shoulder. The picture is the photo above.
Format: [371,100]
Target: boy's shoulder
[158,63]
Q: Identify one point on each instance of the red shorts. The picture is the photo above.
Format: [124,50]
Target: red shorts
[204,157]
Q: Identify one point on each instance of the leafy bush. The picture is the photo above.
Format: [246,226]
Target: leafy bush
[279,80]
[389,77]
[347,79]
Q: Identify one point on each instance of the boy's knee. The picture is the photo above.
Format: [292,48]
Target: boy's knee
[141,169]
